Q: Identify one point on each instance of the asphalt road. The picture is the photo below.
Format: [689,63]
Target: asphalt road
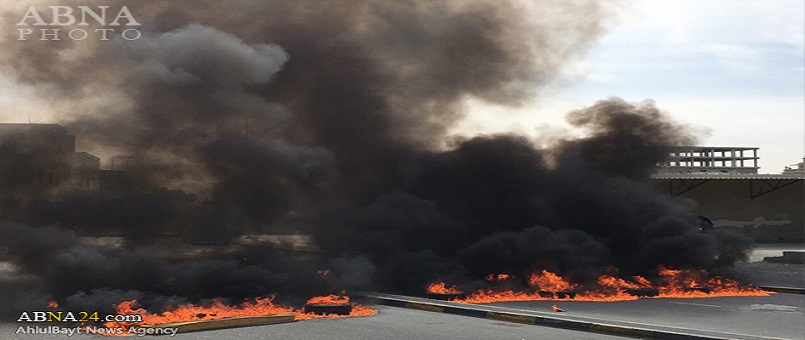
[390,323]
[776,316]
[403,324]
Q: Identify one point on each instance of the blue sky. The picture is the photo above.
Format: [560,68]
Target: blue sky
[703,48]
[734,69]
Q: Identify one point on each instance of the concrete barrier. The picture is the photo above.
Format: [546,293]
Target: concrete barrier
[204,325]
[790,257]
[543,319]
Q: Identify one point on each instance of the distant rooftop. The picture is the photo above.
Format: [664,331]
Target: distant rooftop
[709,160]
[6,128]
[798,168]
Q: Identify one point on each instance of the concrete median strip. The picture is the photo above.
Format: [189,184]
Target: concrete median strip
[425,307]
[787,290]
[516,318]
[544,319]
[625,331]
[204,325]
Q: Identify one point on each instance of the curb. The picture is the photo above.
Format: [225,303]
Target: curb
[787,290]
[481,311]
[194,326]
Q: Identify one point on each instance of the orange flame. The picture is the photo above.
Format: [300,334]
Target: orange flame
[331,299]
[549,282]
[219,310]
[611,288]
[440,288]
[671,284]
[696,283]
[641,281]
[608,281]
[53,304]
[557,309]
[497,277]
[490,295]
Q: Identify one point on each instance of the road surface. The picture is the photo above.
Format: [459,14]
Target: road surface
[778,316]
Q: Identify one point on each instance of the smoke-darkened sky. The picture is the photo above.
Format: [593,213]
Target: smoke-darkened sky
[732,68]
[730,59]
[336,118]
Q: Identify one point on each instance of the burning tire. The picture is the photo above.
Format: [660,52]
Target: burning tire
[545,294]
[439,291]
[643,292]
[324,309]
[567,294]
[328,305]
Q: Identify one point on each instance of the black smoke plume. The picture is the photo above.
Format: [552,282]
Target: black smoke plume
[331,118]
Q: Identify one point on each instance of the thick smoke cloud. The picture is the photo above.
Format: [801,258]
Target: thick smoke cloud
[500,204]
[56,265]
[331,118]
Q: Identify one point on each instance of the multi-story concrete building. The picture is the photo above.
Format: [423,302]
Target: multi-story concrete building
[725,184]
[39,160]
[710,160]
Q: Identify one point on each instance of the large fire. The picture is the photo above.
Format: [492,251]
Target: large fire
[331,299]
[548,281]
[695,284]
[672,283]
[219,310]
[440,288]
[497,277]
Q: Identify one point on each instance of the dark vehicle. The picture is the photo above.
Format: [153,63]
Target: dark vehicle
[705,224]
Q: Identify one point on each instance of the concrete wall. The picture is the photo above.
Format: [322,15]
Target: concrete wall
[777,216]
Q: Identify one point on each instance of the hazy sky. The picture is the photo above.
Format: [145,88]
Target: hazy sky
[734,68]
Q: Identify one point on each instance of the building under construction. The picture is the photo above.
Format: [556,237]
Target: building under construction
[710,160]
[727,188]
